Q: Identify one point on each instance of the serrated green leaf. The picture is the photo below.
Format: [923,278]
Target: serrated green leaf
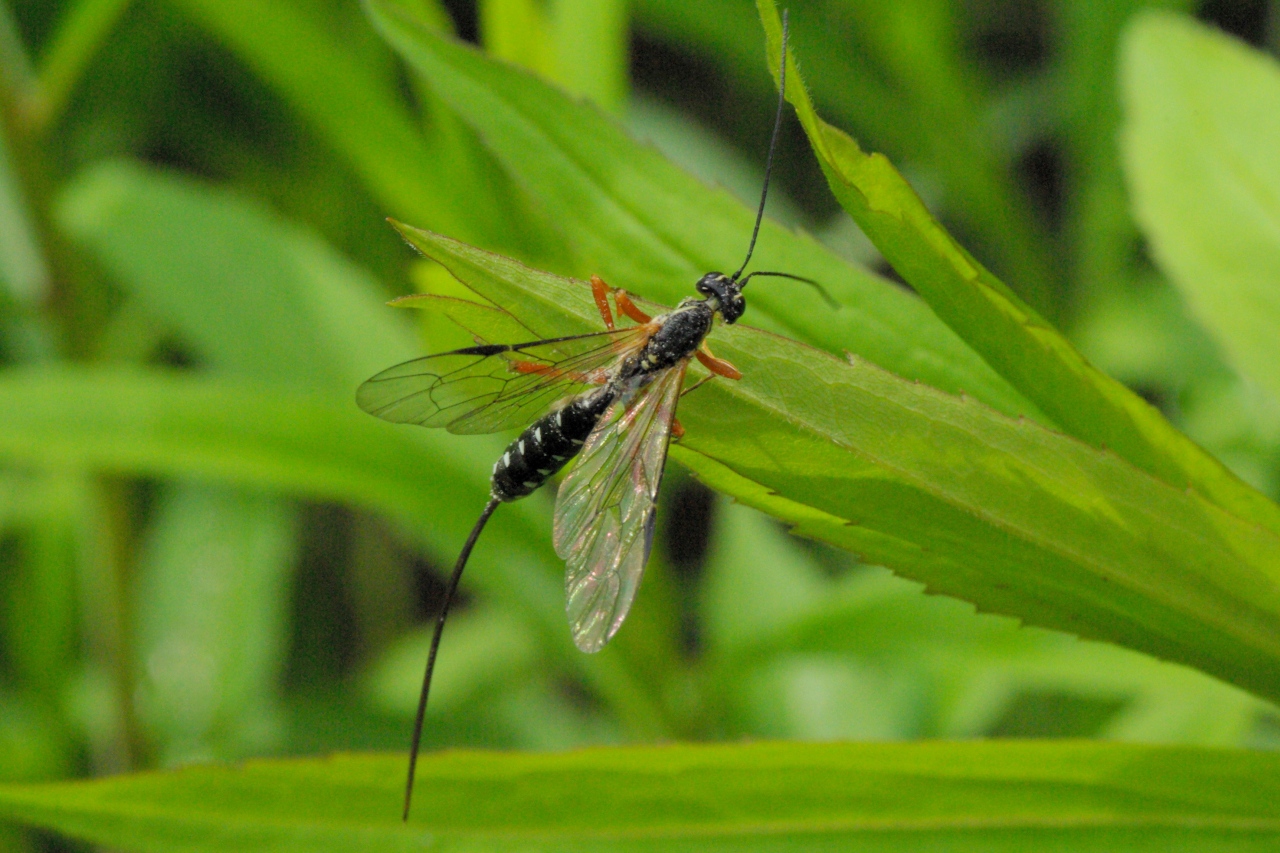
[1002,512]
[1202,127]
[1024,348]
[766,796]
[641,223]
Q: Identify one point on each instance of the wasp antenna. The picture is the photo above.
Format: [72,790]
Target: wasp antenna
[773,144]
[435,646]
[822,290]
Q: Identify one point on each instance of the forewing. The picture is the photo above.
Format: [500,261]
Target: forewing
[605,509]
[493,387]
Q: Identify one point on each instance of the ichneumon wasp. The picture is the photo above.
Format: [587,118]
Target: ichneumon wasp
[605,399]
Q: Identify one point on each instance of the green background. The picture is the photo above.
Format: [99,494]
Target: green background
[208,554]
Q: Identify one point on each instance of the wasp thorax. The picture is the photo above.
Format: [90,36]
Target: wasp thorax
[724,293]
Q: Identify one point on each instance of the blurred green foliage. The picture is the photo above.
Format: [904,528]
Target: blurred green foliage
[208,553]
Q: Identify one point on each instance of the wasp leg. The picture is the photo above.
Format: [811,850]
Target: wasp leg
[626,306]
[677,431]
[718,366]
[600,292]
[695,386]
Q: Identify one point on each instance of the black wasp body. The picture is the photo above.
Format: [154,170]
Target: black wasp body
[552,441]
[605,402]
[547,445]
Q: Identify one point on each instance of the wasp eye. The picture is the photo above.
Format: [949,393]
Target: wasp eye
[706,284]
[733,308]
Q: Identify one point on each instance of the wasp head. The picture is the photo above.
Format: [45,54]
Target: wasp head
[724,294]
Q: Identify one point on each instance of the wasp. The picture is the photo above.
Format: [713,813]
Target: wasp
[605,402]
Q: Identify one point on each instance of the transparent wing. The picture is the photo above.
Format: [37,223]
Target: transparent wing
[604,512]
[494,387]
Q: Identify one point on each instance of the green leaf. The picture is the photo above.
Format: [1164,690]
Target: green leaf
[38,599]
[357,111]
[1005,513]
[954,673]
[158,424]
[641,223]
[593,49]
[1033,356]
[251,294]
[481,321]
[765,796]
[1202,127]
[581,45]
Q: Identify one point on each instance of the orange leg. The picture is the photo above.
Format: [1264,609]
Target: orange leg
[718,366]
[600,291]
[677,431]
[626,306]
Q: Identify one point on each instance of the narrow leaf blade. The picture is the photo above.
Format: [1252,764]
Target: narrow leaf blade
[773,796]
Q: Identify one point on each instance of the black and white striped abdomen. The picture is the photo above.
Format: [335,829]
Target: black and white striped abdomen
[547,446]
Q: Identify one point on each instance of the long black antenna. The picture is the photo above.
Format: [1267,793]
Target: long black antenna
[773,144]
[435,646]
[822,290]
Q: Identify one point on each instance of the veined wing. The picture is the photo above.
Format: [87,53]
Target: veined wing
[604,512]
[493,387]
